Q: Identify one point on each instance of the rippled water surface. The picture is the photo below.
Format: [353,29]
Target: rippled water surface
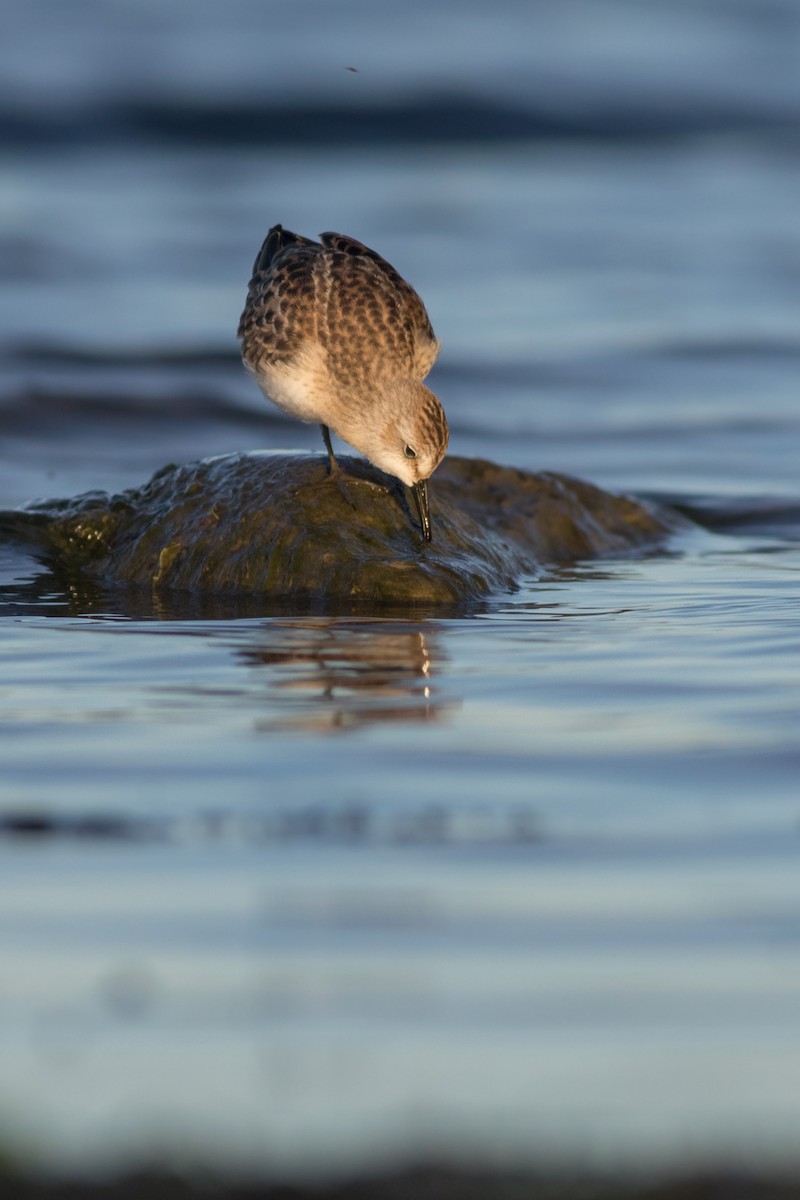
[295,893]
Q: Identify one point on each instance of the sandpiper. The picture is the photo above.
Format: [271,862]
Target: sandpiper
[333,334]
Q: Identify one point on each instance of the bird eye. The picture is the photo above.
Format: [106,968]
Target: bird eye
[410,453]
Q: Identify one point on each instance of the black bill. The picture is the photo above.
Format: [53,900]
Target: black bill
[420,491]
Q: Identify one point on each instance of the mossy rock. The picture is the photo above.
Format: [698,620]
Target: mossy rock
[277,526]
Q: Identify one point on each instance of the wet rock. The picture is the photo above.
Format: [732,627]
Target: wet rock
[276,525]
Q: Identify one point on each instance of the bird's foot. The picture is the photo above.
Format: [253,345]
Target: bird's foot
[342,482]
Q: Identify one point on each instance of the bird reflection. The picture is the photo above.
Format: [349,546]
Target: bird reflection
[334,675]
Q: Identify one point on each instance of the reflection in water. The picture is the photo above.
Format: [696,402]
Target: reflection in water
[353,673]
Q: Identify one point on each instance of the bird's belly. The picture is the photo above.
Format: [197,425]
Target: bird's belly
[297,390]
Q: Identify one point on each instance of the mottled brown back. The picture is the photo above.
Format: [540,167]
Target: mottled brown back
[342,296]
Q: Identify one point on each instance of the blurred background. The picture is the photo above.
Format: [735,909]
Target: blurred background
[313,897]
[595,198]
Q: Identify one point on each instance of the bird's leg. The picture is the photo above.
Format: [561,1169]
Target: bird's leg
[334,470]
[334,466]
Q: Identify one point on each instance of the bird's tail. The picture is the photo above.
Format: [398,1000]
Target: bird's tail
[276,240]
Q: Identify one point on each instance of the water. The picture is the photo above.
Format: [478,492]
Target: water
[304,894]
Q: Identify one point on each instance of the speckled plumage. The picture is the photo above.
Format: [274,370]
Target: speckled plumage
[333,334]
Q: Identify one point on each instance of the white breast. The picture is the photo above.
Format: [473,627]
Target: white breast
[298,388]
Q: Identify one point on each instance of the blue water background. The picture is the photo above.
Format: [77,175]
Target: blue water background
[519,886]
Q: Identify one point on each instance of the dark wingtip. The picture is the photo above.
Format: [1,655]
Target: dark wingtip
[276,240]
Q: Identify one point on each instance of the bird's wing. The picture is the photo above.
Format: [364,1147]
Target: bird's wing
[403,305]
[279,311]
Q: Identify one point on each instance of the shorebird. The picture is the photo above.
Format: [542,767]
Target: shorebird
[333,334]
